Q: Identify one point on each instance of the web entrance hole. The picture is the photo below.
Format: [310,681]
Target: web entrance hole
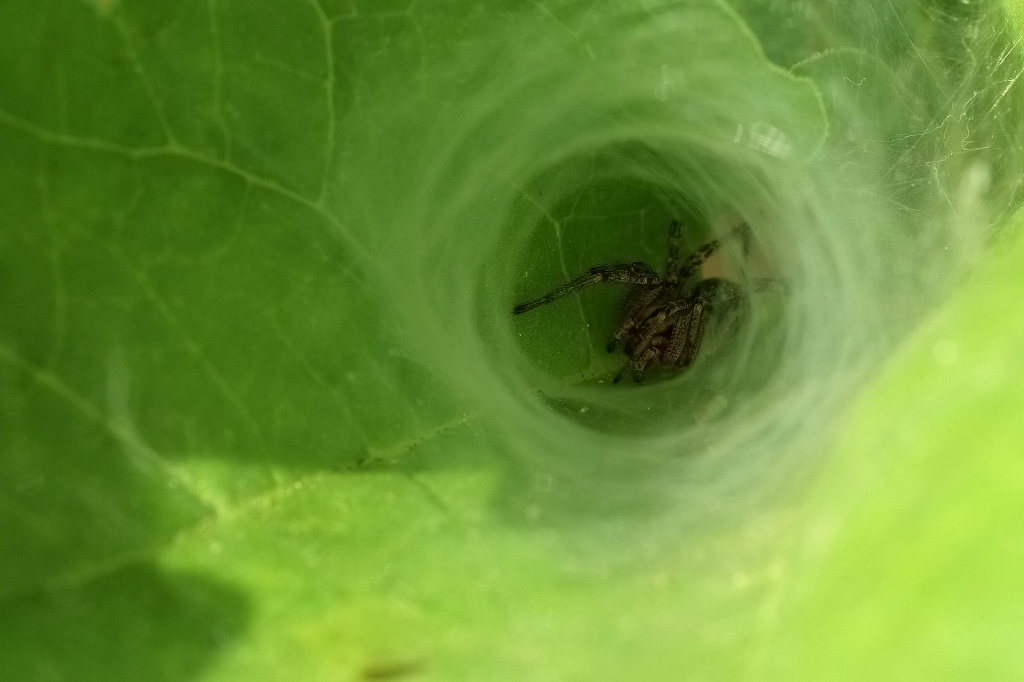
[615,206]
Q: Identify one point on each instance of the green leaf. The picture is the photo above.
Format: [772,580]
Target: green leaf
[908,566]
[265,412]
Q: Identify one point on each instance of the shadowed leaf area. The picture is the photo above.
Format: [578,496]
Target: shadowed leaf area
[131,623]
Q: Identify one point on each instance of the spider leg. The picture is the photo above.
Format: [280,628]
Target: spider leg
[703,252]
[708,294]
[694,332]
[650,338]
[627,273]
[697,258]
[639,364]
[654,325]
[640,298]
[677,340]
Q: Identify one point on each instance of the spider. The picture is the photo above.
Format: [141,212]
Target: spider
[664,315]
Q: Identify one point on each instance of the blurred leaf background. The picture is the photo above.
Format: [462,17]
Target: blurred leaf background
[264,413]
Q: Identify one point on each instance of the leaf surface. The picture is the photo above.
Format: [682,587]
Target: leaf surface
[264,412]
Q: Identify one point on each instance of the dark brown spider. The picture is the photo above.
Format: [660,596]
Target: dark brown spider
[664,316]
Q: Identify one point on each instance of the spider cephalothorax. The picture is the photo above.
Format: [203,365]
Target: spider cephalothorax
[664,316]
